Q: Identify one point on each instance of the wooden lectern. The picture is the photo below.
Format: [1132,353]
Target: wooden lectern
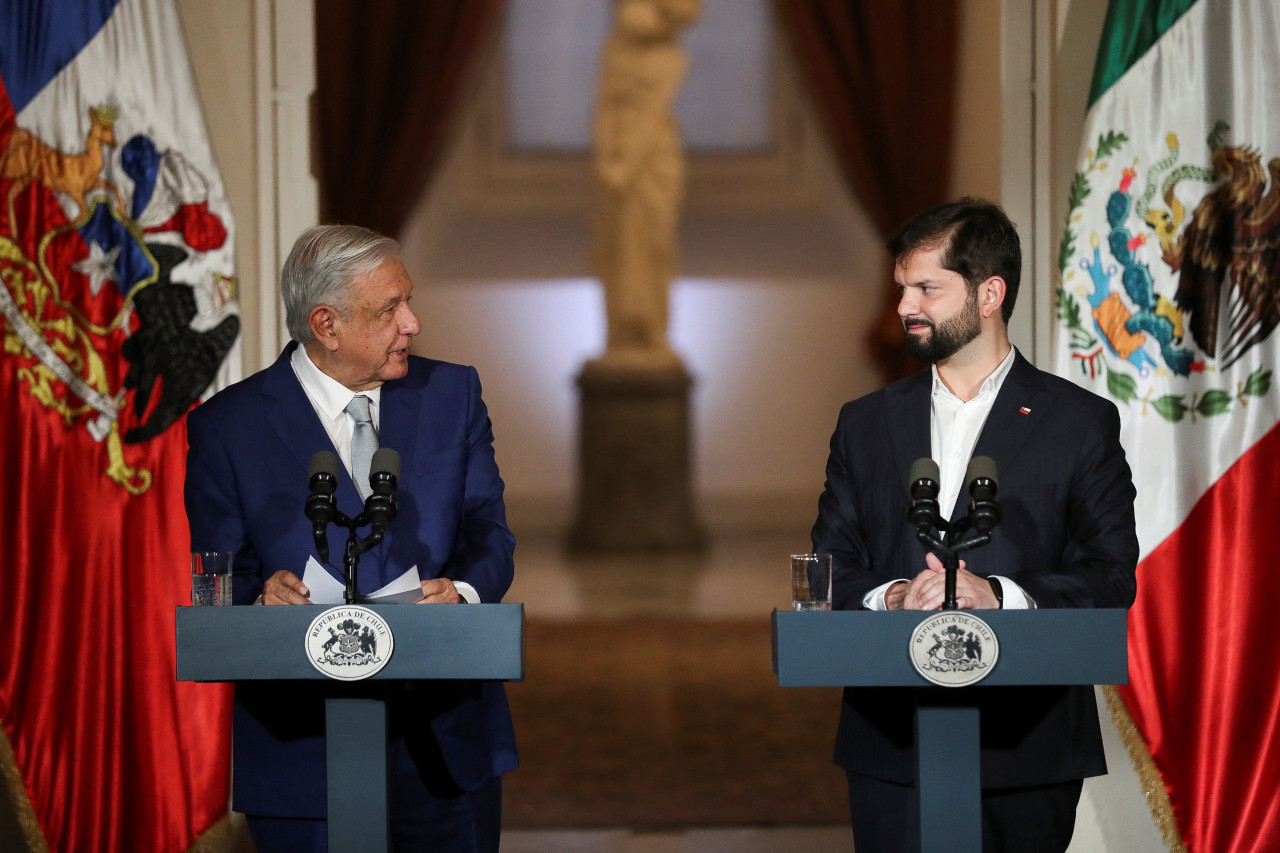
[473,641]
[859,648]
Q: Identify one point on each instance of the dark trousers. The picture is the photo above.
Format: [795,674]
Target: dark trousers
[469,822]
[1041,819]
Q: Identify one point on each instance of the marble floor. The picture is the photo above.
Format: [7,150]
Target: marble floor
[746,575]
[719,840]
[741,575]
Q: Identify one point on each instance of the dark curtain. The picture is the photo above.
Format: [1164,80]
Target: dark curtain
[391,77]
[881,77]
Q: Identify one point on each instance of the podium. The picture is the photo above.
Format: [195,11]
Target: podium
[870,649]
[483,642]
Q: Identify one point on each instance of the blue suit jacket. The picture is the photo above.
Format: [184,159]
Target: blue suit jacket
[1067,537]
[249,453]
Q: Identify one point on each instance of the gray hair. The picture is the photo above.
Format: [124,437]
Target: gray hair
[322,264]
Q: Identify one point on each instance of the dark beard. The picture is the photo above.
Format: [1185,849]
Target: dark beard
[948,339]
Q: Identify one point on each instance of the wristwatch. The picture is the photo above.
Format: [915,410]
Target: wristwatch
[998,590]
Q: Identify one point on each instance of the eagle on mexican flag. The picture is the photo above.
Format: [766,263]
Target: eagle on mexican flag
[1168,303]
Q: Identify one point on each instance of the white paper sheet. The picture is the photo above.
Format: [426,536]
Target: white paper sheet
[326,589]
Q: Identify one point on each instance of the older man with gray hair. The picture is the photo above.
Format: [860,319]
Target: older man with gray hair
[347,382]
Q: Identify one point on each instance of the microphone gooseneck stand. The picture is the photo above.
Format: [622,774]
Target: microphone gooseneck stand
[949,553]
[961,535]
[379,509]
[355,547]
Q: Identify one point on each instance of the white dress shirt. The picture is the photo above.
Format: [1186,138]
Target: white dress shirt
[954,427]
[329,398]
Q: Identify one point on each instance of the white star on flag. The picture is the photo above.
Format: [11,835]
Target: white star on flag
[100,266]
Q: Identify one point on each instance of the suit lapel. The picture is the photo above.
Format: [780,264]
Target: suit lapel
[1023,400]
[398,430]
[290,414]
[398,422]
[907,412]
[294,421]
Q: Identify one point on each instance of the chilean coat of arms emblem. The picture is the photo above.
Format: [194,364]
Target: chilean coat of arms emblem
[954,649]
[349,643]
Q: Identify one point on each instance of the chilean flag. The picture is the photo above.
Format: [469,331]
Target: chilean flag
[117,291]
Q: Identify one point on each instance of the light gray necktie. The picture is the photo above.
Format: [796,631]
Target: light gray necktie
[364,441]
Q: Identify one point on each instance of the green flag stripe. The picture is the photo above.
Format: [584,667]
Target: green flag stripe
[1131,28]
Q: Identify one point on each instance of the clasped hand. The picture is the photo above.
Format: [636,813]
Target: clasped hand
[927,590]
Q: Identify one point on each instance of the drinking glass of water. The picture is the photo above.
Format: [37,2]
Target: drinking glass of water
[211,578]
[810,581]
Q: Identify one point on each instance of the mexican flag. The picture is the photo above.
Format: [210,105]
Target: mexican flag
[1168,304]
[117,312]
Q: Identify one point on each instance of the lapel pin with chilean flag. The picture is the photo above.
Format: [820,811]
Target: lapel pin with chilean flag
[1025,410]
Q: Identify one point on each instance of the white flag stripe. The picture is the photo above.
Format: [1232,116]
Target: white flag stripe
[1214,43]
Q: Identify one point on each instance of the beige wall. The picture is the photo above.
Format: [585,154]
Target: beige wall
[1077,30]
[975,159]
[220,39]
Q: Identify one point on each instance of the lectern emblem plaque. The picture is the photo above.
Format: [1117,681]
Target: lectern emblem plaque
[349,643]
[954,648]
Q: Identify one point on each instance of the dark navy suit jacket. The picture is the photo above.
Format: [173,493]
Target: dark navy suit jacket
[1067,537]
[249,453]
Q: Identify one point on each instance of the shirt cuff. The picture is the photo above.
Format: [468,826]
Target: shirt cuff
[467,591]
[1015,597]
[874,600]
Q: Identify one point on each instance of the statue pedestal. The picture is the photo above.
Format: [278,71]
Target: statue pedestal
[634,458]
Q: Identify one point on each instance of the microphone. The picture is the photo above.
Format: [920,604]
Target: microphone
[923,479]
[384,475]
[984,512]
[320,507]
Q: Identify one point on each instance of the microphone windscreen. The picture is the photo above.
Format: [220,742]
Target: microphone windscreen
[924,468]
[323,462]
[981,467]
[385,461]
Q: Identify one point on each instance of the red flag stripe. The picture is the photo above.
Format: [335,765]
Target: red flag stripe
[1204,683]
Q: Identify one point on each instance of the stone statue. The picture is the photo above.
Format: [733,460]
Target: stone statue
[640,169]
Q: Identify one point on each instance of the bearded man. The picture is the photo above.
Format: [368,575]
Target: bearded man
[1067,538]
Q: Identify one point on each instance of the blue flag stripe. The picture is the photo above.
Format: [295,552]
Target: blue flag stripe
[38,38]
